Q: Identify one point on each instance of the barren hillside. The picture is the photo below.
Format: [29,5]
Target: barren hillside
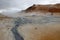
[51,8]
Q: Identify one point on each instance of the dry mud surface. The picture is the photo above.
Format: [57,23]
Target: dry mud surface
[30,28]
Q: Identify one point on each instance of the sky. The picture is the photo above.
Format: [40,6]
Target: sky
[23,4]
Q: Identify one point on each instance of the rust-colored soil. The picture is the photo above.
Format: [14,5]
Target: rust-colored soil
[52,8]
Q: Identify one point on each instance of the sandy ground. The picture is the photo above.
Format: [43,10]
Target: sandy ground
[40,31]
[5,26]
[31,28]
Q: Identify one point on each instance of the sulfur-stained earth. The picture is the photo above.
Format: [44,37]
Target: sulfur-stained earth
[30,28]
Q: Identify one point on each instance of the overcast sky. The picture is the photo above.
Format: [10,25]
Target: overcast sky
[23,4]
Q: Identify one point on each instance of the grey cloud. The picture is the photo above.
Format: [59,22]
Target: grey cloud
[23,4]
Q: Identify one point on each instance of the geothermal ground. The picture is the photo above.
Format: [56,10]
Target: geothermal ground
[35,27]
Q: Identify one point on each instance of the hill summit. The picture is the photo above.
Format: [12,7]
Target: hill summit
[52,8]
